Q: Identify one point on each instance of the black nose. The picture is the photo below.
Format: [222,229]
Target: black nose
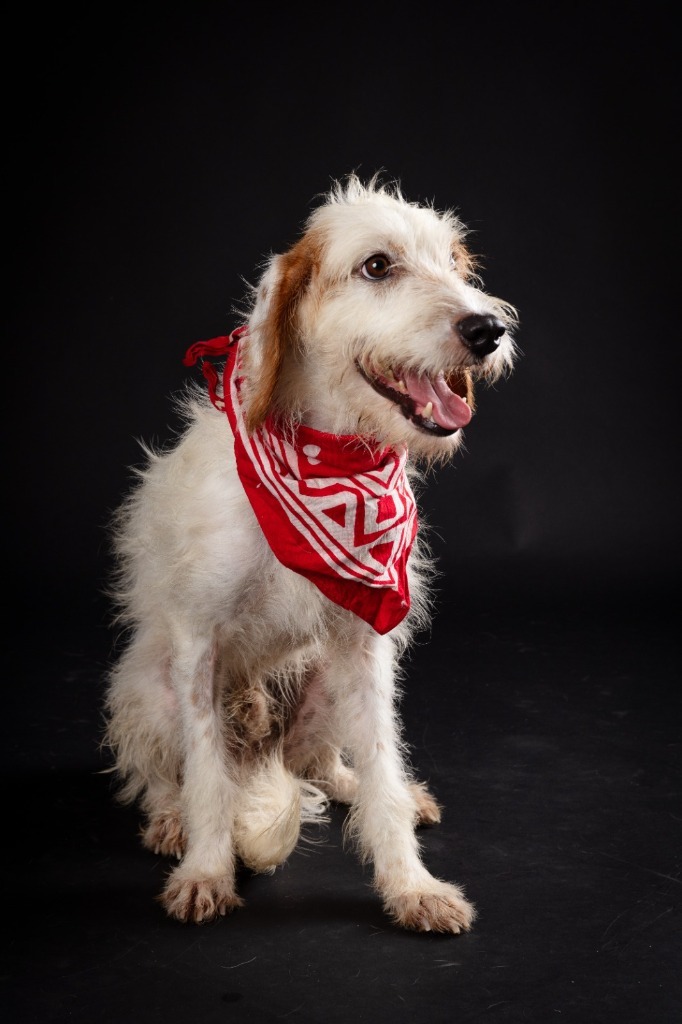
[481,334]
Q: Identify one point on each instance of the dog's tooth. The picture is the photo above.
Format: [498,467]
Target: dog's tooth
[401,386]
[427,410]
[389,374]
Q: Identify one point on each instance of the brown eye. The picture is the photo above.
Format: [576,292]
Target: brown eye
[376,267]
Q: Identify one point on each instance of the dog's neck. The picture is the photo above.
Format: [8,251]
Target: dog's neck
[304,395]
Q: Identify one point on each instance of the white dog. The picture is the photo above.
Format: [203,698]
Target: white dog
[270,571]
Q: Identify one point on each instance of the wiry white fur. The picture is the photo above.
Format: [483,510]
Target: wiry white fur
[244,699]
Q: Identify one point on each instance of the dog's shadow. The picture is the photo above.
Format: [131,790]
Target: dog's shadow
[76,847]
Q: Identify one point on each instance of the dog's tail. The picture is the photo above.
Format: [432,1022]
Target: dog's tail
[273,805]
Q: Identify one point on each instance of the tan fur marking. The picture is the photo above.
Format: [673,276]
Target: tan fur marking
[465,261]
[297,267]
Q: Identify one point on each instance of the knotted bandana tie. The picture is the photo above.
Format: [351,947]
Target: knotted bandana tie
[333,509]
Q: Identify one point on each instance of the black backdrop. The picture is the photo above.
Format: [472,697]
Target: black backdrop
[157,154]
[158,157]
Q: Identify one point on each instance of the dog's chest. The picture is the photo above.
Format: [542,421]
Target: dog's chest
[282,621]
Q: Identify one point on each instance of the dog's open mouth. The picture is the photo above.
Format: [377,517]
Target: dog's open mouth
[437,404]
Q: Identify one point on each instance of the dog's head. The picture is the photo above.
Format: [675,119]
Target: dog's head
[375,324]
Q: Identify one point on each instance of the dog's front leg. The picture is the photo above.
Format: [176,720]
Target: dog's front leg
[203,884]
[383,815]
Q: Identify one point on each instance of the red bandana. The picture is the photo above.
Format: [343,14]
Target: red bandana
[339,512]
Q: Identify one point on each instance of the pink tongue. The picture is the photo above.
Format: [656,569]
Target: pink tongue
[449,410]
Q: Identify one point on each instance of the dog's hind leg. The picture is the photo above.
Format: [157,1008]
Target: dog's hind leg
[203,884]
[383,815]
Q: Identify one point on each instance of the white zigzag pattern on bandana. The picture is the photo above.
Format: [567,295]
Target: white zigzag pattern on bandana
[361,529]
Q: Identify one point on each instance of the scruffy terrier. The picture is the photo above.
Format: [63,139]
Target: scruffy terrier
[270,571]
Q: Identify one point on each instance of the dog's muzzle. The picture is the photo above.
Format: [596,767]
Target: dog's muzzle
[436,405]
[439,404]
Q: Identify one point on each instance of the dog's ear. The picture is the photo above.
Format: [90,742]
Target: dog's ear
[281,291]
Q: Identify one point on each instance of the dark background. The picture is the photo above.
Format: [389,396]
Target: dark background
[155,157]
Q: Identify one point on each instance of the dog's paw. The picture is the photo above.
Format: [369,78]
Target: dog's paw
[428,812]
[199,900]
[164,836]
[441,909]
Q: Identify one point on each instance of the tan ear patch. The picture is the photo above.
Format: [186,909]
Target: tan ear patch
[278,330]
[465,261]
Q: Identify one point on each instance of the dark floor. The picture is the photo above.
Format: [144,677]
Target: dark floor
[550,730]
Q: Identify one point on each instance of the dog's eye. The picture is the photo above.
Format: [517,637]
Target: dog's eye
[376,267]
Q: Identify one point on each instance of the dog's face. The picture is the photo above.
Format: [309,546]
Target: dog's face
[374,324]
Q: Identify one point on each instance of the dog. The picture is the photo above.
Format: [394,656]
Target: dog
[269,566]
